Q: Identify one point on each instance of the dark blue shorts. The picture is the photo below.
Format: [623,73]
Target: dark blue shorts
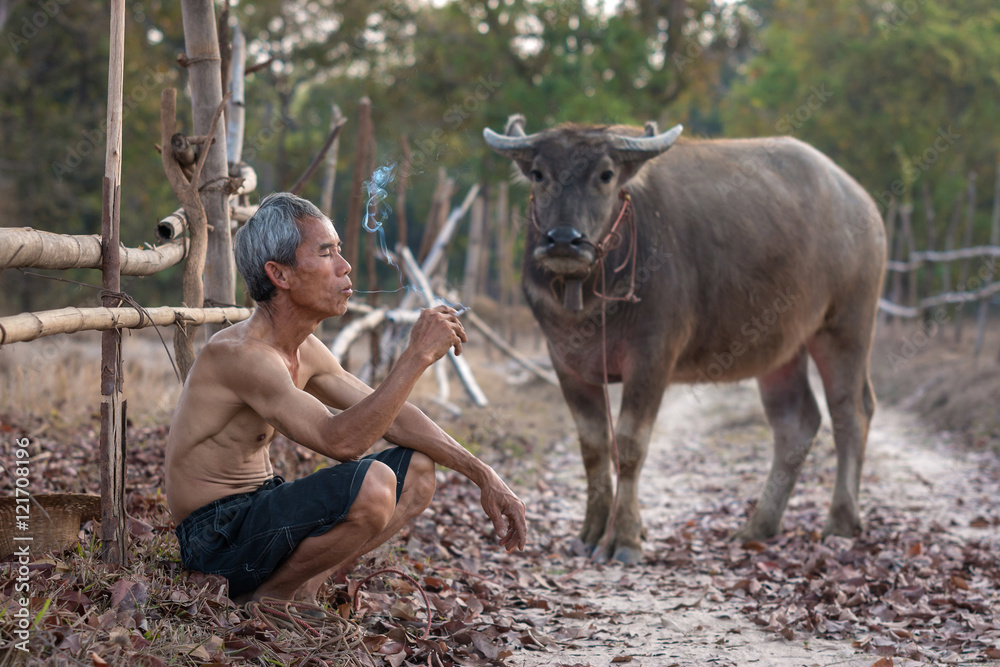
[247,536]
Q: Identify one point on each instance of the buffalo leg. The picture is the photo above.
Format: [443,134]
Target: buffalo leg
[795,418]
[590,412]
[640,403]
[843,365]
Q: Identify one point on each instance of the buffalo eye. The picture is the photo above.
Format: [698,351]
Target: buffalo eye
[607,176]
[537,176]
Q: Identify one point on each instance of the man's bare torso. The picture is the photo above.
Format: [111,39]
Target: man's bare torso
[218,446]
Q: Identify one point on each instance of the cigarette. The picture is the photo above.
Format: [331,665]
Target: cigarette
[461,311]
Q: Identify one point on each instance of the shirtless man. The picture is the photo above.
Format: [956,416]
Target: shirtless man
[268,375]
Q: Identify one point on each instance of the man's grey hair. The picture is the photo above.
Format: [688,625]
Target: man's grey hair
[270,235]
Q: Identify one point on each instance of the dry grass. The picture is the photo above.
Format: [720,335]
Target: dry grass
[57,379]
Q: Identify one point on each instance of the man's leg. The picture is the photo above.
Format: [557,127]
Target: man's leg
[418,490]
[371,512]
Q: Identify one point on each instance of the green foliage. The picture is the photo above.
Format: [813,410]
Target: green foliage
[53,106]
[896,93]
[900,94]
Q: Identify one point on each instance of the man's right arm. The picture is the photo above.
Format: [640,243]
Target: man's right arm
[266,386]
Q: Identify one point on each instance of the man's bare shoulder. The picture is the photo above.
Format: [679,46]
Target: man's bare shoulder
[318,354]
[232,349]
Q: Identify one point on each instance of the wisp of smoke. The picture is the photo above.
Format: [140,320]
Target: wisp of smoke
[375,211]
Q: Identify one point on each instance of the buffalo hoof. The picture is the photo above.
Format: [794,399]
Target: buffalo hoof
[623,555]
[846,528]
[752,533]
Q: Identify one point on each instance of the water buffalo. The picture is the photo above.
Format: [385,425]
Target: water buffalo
[717,260]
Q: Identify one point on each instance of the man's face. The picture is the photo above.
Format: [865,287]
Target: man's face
[319,280]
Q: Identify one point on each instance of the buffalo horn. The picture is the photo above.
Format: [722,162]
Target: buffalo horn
[518,148]
[634,149]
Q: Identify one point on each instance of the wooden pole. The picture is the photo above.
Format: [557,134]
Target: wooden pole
[114,539]
[204,66]
[438,199]
[352,226]
[898,252]
[906,215]
[236,108]
[470,286]
[26,247]
[401,184]
[890,232]
[963,276]
[949,240]
[984,305]
[929,220]
[330,175]
[29,326]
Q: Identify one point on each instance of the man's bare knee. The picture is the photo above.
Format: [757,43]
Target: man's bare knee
[376,500]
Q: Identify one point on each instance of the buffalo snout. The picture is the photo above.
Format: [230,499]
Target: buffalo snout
[566,251]
[564,242]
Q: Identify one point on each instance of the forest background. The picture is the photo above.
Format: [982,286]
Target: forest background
[904,95]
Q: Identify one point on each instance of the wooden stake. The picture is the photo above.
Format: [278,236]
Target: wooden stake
[114,539]
[352,226]
[984,305]
[330,176]
[470,286]
[401,182]
[970,221]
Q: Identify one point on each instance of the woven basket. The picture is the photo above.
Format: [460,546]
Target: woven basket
[56,532]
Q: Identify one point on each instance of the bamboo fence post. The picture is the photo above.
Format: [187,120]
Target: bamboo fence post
[401,184]
[114,539]
[204,65]
[352,227]
[970,221]
[330,174]
[984,305]
[470,286]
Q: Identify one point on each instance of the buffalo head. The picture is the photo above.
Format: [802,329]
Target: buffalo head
[576,174]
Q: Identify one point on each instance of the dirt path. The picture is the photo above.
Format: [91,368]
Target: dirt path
[710,453]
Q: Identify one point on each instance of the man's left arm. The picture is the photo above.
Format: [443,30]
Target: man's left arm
[413,429]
